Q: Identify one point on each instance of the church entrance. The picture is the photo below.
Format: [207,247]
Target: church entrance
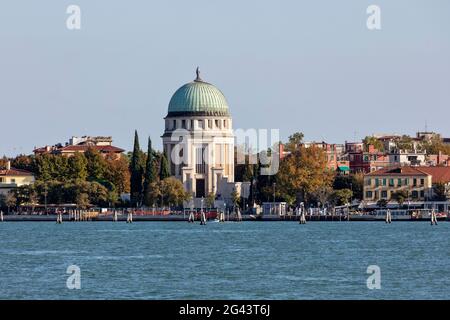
[200,188]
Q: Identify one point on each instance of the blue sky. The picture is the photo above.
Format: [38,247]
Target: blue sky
[309,66]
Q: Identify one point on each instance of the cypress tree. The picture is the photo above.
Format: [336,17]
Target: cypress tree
[164,168]
[136,173]
[150,175]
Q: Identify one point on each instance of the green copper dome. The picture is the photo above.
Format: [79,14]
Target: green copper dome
[198,98]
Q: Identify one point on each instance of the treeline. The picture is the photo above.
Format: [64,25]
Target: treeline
[303,176]
[92,179]
[150,180]
[84,179]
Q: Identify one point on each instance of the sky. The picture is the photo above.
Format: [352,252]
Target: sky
[309,66]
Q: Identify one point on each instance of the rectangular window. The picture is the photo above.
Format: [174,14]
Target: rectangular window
[183,124]
[174,124]
[399,182]
[217,124]
[406,182]
[384,182]
[377,182]
[200,166]
[415,194]
[369,194]
[368,182]
[414,182]
[422,182]
[384,194]
[391,182]
[210,124]
[422,194]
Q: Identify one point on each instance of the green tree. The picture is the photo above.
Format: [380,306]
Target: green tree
[118,173]
[342,196]
[96,165]
[371,140]
[77,167]
[405,143]
[354,182]
[24,162]
[112,198]
[303,173]
[164,168]
[210,199]
[440,192]
[25,195]
[400,196]
[323,194]
[136,169]
[52,167]
[98,194]
[150,175]
[172,191]
[435,145]
[82,200]
[294,141]
[10,200]
[235,199]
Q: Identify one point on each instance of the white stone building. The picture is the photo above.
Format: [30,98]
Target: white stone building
[198,141]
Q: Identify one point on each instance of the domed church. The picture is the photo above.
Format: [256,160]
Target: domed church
[198,140]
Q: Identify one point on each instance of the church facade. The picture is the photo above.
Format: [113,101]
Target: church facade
[198,140]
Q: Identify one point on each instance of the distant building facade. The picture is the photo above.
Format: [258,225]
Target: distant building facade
[11,178]
[362,161]
[417,182]
[407,158]
[82,144]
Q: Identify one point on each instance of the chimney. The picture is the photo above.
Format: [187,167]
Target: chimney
[8,165]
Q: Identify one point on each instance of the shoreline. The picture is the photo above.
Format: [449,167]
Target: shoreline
[180,218]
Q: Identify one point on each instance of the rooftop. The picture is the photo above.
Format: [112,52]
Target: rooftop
[14,172]
[398,171]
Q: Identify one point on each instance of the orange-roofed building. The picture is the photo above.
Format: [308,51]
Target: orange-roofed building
[11,178]
[102,144]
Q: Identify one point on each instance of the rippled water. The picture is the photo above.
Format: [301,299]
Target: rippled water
[249,260]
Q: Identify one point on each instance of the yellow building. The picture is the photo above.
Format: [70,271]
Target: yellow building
[11,178]
[381,184]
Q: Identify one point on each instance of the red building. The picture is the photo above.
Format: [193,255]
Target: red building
[365,161]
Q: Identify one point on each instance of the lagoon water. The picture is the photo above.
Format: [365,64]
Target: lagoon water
[248,260]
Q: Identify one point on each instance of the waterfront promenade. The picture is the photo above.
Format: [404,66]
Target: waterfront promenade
[232,218]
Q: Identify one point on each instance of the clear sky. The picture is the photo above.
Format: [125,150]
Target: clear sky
[310,66]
